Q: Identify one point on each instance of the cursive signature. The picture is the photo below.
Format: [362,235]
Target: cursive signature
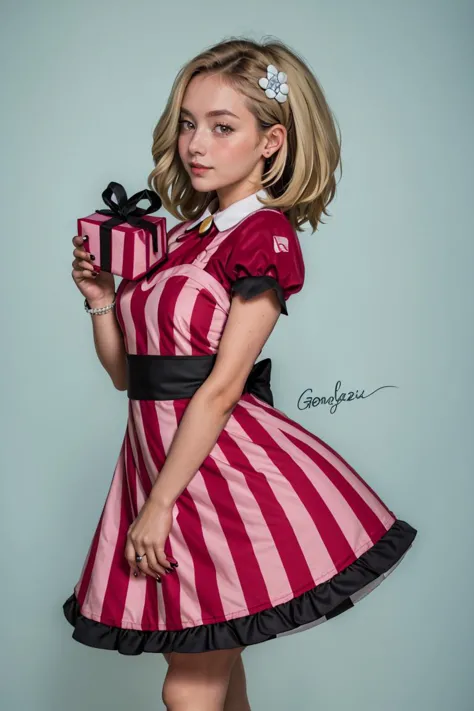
[306,400]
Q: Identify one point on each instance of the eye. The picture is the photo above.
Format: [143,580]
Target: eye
[182,123]
[227,129]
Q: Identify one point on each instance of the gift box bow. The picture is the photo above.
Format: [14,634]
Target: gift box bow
[126,210]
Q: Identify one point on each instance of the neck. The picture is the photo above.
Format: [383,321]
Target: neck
[233,193]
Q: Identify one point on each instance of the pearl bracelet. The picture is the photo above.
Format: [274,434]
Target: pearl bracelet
[100,310]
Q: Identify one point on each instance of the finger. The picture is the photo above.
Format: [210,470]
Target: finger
[79,239]
[87,266]
[152,560]
[86,269]
[129,554]
[163,560]
[146,570]
[79,273]
[82,254]
[131,561]
[83,264]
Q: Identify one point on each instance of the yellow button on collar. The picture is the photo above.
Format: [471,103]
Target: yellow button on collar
[205,225]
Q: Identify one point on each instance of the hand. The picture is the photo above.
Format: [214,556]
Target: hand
[97,287]
[148,534]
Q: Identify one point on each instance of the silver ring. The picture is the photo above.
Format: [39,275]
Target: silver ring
[139,558]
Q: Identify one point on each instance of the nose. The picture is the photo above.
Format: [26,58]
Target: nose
[197,144]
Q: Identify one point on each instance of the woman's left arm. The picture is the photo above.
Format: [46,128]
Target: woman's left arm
[248,327]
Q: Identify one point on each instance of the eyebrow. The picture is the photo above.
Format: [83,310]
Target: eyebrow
[218,112]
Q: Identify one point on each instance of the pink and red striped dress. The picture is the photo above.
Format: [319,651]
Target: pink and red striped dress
[276,532]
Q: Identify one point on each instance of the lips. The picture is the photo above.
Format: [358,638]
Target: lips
[199,171]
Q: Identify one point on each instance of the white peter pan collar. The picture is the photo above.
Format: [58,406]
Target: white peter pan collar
[232,215]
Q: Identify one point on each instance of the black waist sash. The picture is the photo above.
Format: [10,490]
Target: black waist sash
[157,377]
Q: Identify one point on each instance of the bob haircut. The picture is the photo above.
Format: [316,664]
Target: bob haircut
[299,178]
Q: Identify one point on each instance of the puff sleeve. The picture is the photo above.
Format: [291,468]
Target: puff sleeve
[266,254]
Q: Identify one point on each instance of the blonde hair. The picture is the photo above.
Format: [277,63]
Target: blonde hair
[299,178]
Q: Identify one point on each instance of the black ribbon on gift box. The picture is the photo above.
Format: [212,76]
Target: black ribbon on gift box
[125,210]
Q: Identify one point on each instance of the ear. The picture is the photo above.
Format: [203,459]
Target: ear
[274,139]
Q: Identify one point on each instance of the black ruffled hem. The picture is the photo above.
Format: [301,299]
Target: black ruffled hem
[249,286]
[323,602]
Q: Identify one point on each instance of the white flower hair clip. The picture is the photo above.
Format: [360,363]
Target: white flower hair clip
[275,84]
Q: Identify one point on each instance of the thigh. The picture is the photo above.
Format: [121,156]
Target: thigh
[167,655]
[218,660]
[201,676]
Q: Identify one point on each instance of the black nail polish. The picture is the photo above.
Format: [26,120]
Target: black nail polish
[158,578]
[84,237]
[174,565]
[92,256]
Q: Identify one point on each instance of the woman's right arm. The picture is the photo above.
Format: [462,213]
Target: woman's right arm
[99,290]
[109,344]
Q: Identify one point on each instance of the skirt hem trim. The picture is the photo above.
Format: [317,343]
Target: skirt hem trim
[324,601]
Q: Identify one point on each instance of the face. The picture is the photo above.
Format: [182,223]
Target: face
[218,132]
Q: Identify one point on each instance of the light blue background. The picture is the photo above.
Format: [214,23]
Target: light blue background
[388,301]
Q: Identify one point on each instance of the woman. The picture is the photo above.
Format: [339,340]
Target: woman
[227,523]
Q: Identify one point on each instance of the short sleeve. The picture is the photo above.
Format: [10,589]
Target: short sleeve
[266,254]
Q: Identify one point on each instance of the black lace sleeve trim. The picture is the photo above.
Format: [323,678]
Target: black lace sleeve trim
[249,286]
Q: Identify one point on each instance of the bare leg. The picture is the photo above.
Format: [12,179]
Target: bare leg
[199,682]
[236,699]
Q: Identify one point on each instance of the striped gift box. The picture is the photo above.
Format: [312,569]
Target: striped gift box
[124,250]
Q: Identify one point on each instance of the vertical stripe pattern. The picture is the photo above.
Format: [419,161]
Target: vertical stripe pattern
[272,511]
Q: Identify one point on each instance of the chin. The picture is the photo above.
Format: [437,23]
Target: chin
[201,185]
[201,188]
